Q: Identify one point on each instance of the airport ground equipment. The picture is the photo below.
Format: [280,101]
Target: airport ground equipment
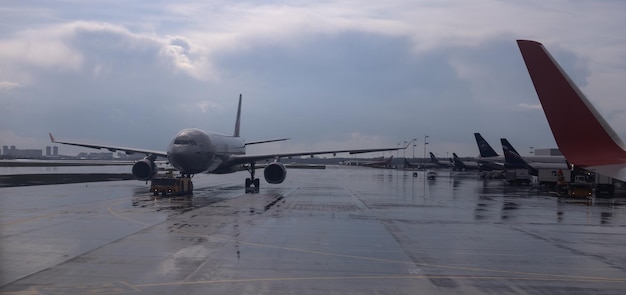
[582,183]
[604,186]
[517,176]
[167,184]
[579,185]
[550,177]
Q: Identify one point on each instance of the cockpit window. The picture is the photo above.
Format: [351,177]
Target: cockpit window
[185,142]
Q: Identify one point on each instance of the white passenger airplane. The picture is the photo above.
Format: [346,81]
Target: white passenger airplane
[194,151]
[514,160]
[583,136]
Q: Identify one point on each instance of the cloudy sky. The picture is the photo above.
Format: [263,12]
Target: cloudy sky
[327,74]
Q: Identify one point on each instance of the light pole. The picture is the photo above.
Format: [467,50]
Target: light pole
[404,150]
[398,153]
[414,139]
[425,143]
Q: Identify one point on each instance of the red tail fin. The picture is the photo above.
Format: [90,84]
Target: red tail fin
[582,135]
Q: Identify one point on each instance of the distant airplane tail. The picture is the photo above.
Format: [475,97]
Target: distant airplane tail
[457,161]
[582,135]
[512,158]
[409,164]
[484,148]
[433,158]
[238,121]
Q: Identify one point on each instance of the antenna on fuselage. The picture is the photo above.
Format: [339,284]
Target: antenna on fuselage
[236,134]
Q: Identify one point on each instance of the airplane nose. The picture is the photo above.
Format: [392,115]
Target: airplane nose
[190,161]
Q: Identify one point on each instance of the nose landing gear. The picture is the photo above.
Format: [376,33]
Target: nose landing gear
[252,184]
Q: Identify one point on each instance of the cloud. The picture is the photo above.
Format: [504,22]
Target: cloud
[525,106]
[99,46]
[318,72]
[8,85]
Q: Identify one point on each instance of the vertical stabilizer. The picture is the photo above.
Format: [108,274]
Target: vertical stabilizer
[582,135]
[458,163]
[512,159]
[237,123]
[485,149]
[433,158]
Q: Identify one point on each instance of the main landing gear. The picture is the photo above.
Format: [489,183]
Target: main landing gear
[252,183]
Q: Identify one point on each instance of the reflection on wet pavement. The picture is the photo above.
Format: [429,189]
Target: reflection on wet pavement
[340,230]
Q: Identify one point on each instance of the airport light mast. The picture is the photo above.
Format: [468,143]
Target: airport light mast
[404,150]
[398,154]
[425,143]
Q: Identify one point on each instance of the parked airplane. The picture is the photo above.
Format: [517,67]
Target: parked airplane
[466,165]
[515,161]
[436,161]
[513,158]
[583,136]
[421,165]
[382,163]
[194,151]
[484,148]
[489,157]
[375,162]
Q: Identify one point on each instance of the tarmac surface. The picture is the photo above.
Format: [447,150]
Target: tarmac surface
[342,230]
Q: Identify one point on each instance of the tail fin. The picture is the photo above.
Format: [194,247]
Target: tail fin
[433,158]
[237,122]
[484,148]
[582,135]
[457,161]
[512,158]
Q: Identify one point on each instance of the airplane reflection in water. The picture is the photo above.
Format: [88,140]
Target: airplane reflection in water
[194,151]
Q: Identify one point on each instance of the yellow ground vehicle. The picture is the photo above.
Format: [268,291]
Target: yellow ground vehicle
[171,185]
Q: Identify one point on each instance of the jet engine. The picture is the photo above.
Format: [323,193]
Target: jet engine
[275,173]
[144,169]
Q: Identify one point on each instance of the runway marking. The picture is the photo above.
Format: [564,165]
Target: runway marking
[535,275]
[92,205]
[383,277]
[558,276]
[93,289]
[30,219]
[122,287]
[110,209]
[30,291]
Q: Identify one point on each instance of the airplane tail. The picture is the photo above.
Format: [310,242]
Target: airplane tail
[512,158]
[483,147]
[582,135]
[457,161]
[433,158]
[238,121]
[409,164]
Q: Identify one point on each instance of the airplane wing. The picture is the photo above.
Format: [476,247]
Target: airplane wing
[244,159]
[266,141]
[128,151]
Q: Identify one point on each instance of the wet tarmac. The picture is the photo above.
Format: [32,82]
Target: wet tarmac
[342,230]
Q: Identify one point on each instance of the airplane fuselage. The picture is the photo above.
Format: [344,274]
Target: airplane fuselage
[194,151]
